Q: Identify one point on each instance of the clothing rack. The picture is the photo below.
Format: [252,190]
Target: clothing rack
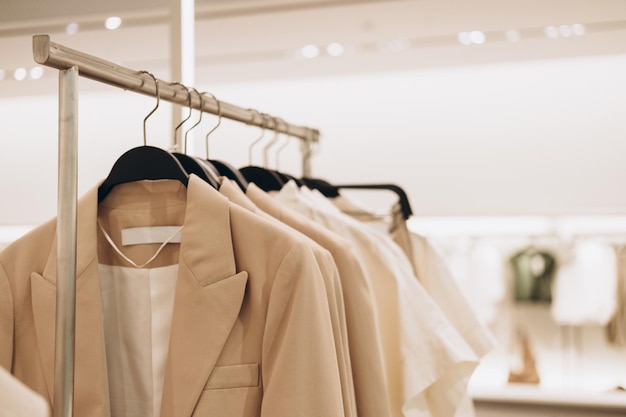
[72,64]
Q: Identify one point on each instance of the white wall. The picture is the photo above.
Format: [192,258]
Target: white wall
[542,137]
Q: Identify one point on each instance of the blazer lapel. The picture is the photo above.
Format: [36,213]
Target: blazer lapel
[209,294]
[91,385]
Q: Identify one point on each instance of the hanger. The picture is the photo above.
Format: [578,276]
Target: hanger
[194,165]
[262,177]
[143,162]
[332,191]
[284,176]
[224,168]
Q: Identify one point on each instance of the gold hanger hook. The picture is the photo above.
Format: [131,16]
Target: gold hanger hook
[284,145]
[199,120]
[156,86]
[188,105]
[271,142]
[263,125]
[219,121]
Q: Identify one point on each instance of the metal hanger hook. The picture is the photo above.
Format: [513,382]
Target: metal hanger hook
[271,142]
[156,86]
[219,121]
[199,120]
[188,104]
[253,144]
[282,147]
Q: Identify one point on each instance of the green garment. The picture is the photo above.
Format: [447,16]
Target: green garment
[533,271]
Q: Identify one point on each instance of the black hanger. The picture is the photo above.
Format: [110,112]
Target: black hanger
[326,188]
[196,166]
[332,191]
[229,171]
[288,177]
[262,177]
[144,162]
[265,179]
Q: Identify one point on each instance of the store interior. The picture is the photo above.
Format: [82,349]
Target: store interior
[502,121]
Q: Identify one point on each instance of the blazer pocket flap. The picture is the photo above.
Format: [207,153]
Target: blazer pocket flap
[234,376]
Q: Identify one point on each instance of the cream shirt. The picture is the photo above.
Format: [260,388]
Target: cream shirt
[137,306]
[435,276]
[427,362]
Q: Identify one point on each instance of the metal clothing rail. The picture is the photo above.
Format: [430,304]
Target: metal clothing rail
[61,57]
[71,64]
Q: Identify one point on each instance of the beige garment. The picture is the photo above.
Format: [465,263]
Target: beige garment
[332,284]
[433,273]
[435,276]
[251,333]
[427,363]
[363,329]
[17,400]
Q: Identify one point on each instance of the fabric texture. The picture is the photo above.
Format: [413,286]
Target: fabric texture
[251,333]
[363,328]
[137,305]
[332,284]
[433,273]
[427,363]
[436,278]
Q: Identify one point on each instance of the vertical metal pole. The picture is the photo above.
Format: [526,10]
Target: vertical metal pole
[182,56]
[306,148]
[66,244]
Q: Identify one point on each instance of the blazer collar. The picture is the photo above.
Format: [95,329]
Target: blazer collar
[207,214]
[209,294]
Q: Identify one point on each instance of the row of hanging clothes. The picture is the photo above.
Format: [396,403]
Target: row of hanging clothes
[205,290]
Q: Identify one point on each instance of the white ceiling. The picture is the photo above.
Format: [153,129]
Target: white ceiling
[247,39]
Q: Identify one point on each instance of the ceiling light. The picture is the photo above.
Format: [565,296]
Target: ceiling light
[20,74]
[552,32]
[513,35]
[465,38]
[2,74]
[71,28]
[565,31]
[477,37]
[36,73]
[578,29]
[335,49]
[113,23]
[310,51]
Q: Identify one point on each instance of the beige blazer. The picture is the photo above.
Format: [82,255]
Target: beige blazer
[363,331]
[334,292]
[251,333]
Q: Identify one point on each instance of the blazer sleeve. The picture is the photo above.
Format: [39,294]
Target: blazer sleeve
[6,321]
[300,371]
